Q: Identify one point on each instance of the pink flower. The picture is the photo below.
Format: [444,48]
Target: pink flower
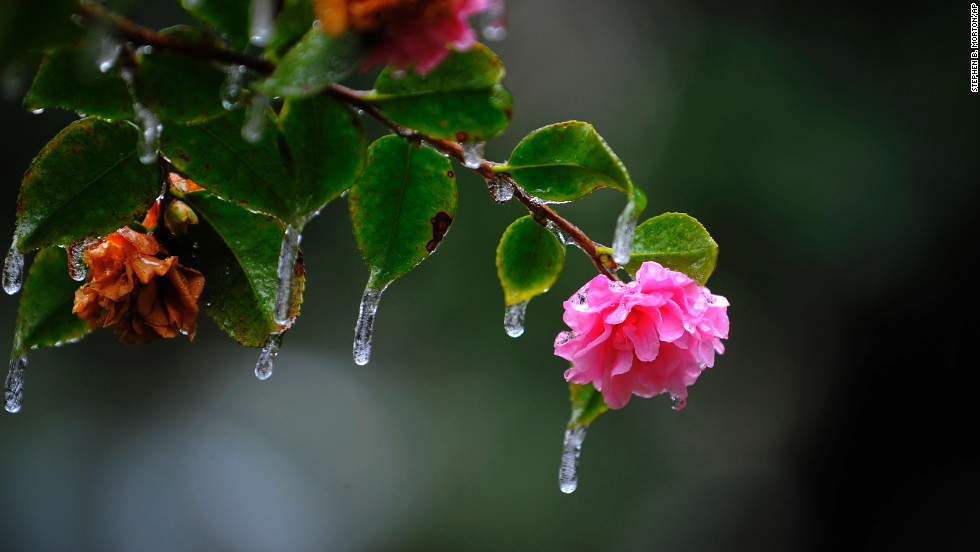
[403,33]
[653,335]
[421,34]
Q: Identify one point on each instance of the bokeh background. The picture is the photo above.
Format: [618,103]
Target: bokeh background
[831,150]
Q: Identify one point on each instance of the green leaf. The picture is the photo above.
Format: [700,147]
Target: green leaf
[587,404]
[238,252]
[44,317]
[326,146]
[179,87]
[295,19]
[215,155]
[529,260]
[229,17]
[35,25]
[86,182]
[565,162]
[70,79]
[461,99]
[312,64]
[678,242]
[401,207]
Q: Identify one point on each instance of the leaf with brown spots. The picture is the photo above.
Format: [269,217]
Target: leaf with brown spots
[401,207]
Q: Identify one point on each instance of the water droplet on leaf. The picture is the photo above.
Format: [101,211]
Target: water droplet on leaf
[13,269]
[514,319]
[38,111]
[365,325]
[571,449]
[267,358]
[13,391]
[287,262]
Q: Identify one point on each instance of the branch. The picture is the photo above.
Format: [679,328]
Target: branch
[119,26]
[454,150]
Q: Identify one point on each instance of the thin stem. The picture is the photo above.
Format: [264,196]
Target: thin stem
[122,27]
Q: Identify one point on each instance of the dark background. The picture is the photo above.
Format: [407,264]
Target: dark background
[831,150]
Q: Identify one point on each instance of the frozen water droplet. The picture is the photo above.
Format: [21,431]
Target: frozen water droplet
[502,190]
[13,269]
[38,111]
[287,261]
[267,358]
[623,236]
[77,269]
[231,88]
[677,403]
[365,325]
[263,15]
[514,319]
[473,154]
[494,20]
[255,119]
[560,234]
[572,448]
[148,146]
[109,49]
[13,390]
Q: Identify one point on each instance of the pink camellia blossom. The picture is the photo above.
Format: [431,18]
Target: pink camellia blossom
[403,33]
[421,37]
[653,335]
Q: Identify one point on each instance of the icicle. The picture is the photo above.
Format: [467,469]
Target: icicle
[77,269]
[473,154]
[13,391]
[148,146]
[263,14]
[623,236]
[677,403]
[231,88]
[255,119]
[287,260]
[108,55]
[568,471]
[13,269]
[514,319]
[560,234]
[365,325]
[494,21]
[501,190]
[267,358]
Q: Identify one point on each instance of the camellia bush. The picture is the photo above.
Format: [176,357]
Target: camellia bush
[219,142]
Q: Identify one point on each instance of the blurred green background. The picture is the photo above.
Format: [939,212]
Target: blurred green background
[831,150]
